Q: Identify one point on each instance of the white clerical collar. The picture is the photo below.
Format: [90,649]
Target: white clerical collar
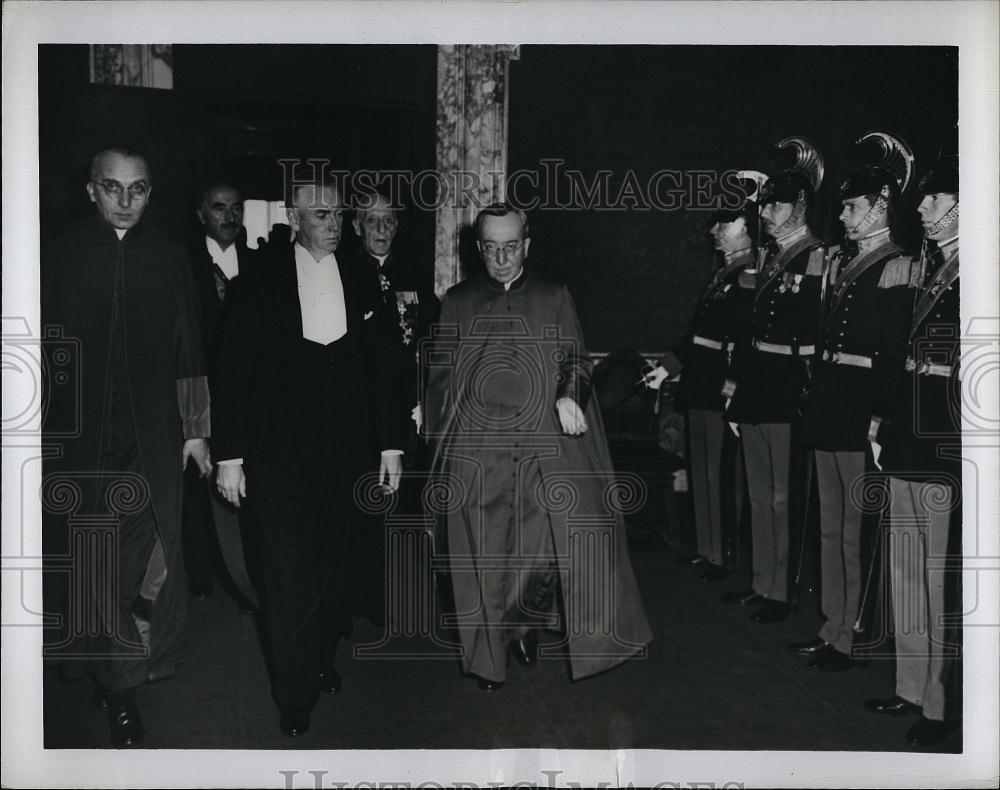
[380,258]
[120,233]
[875,239]
[507,285]
[794,236]
[225,259]
[305,258]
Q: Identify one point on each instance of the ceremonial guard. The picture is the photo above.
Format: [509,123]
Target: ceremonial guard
[706,357]
[862,347]
[922,446]
[774,371]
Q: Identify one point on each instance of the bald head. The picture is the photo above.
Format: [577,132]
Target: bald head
[119,186]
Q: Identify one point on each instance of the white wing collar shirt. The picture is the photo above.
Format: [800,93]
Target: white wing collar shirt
[225,259]
[321,297]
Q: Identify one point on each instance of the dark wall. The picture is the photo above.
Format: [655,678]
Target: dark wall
[636,274]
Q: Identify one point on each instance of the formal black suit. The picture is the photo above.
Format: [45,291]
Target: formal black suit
[215,294]
[308,420]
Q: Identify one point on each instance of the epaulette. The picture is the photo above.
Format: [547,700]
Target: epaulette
[816,258]
[748,279]
[898,272]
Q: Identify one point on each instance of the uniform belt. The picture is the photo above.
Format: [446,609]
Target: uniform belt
[789,351]
[707,342]
[926,368]
[842,358]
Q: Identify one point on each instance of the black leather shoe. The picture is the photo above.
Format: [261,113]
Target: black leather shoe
[330,682]
[525,649]
[713,573]
[294,724]
[829,659]
[771,611]
[927,732]
[691,559]
[126,726]
[891,706]
[489,685]
[741,597]
[809,648]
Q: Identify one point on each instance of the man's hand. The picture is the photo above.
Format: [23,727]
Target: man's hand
[198,450]
[876,452]
[231,482]
[655,377]
[417,415]
[571,417]
[390,470]
[735,428]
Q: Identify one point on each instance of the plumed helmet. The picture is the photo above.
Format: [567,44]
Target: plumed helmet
[805,175]
[886,169]
[743,191]
[943,174]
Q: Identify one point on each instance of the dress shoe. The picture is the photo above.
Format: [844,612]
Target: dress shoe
[927,732]
[713,573]
[525,649]
[330,682]
[489,685]
[771,611]
[891,706]
[691,559]
[126,726]
[829,659]
[808,648]
[294,724]
[741,597]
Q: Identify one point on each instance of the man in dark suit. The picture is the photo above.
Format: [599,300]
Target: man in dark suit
[304,400]
[408,307]
[218,259]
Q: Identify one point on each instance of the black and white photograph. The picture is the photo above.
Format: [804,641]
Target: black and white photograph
[537,394]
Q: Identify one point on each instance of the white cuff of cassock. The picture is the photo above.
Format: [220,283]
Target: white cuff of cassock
[390,453]
[229,462]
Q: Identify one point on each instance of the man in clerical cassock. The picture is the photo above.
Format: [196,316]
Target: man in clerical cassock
[123,294]
[304,403]
[533,515]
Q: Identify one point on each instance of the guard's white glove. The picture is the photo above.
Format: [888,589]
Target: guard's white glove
[417,415]
[655,377]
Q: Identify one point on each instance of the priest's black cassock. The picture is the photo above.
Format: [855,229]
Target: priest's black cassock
[128,315]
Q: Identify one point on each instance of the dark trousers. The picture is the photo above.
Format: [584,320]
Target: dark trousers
[198,530]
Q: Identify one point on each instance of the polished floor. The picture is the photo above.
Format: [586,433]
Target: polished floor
[712,679]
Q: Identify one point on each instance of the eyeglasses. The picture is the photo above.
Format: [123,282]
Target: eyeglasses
[491,250]
[137,189]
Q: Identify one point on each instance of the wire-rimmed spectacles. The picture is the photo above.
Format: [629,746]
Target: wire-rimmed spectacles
[491,250]
[113,189]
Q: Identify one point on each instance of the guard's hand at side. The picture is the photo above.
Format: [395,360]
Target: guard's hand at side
[231,482]
[571,417]
[198,450]
[417,415]
[390,470]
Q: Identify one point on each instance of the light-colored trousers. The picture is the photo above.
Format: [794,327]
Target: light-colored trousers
[767,451]
[840,543]
[918,537]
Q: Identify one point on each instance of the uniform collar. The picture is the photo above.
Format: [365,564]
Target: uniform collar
[876,239]
[790,238]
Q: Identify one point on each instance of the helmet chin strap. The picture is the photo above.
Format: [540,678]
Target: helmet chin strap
[798,210]
[875,213]
[948,219]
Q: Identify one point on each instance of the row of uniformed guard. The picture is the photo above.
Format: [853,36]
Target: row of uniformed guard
[847,355]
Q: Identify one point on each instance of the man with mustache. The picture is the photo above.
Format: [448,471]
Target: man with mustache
[304,403]
[219,257]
